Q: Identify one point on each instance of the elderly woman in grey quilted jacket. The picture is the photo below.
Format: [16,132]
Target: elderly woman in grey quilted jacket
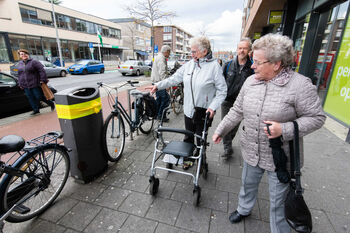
[274,95]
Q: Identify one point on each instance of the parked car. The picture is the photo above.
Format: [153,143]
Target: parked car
[87,66]
[50,69]
[12,97]
[148,63]
[133,67]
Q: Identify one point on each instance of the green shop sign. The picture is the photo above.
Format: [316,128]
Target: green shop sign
[337,102]
[275,17]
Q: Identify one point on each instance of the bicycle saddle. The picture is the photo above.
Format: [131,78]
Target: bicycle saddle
[11,143]
[138,93]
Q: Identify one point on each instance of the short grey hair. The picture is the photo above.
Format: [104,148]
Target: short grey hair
[165,48]
[202,43]
[277,48]
[246,39]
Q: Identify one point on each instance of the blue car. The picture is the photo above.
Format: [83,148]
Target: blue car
[87,66]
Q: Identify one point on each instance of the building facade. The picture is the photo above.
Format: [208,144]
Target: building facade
[175,37]
[320,30]
[29,24]
[136,38]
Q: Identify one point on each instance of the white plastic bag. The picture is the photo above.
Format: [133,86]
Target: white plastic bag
[172,159]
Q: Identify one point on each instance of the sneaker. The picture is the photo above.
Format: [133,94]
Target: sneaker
[34,113]
[187,164]
[227,154]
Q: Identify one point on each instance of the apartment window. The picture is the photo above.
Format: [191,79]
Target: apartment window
[91,28]
[167,29]
[140,41]
[115,33]
[167,37]
[105,31]
[81,25]
[36,16]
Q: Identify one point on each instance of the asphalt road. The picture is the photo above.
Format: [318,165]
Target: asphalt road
[87,80]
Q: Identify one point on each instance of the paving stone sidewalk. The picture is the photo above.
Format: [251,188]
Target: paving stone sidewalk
[119,201]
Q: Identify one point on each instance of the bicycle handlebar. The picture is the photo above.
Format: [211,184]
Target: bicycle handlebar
[130,82]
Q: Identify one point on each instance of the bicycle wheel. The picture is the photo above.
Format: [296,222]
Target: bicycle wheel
[48,171]
[114,137]
[177,102]
[146,122]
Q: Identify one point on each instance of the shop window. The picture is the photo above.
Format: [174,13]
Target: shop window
[301,29]
[17,42]
[34,46]
[3,50]
[330,43]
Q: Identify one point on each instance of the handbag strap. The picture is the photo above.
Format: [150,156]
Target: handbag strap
[295,159]
[191,85]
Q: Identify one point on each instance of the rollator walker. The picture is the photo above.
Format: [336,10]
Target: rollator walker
[175,152]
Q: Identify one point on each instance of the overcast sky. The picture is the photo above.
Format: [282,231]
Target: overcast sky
[220,19]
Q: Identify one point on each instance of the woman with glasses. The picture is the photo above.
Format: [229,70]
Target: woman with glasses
[204,85]
[275,96]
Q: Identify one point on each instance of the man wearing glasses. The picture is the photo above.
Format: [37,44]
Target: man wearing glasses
[235,72]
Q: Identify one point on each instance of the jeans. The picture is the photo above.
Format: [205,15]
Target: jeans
[163,101]
[35,95]
[227,139]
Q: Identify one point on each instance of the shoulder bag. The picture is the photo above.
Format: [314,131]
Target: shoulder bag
[296,212]
[47,92]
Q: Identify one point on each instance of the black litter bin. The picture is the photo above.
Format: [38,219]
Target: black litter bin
[79,111]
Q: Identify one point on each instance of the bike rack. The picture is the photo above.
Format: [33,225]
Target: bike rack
[130,113]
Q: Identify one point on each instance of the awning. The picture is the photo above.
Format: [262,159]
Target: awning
[142,53]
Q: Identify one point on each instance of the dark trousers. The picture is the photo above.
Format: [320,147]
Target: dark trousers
[35,95]
[227,140]
[196,127]
[163,100]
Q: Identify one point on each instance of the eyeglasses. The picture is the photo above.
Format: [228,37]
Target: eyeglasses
[258,63]
[193,52]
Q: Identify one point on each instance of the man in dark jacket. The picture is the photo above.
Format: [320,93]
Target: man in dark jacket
[236,72]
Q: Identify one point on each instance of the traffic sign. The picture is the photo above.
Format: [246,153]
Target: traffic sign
[156,48]
[90,45]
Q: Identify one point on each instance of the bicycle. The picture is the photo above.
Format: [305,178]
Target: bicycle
[32,177]
[177,98]
[114,128]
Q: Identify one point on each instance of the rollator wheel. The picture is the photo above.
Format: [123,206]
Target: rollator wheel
[196,195]
[153,185]
[169,165]
[205,171]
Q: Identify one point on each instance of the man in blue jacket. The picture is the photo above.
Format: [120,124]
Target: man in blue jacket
[235,72]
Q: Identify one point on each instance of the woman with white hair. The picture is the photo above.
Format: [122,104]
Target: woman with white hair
[204,85]
[274,96]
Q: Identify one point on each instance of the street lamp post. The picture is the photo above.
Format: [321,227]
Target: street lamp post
[57,37]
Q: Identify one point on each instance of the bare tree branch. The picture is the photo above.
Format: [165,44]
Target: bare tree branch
[149,11]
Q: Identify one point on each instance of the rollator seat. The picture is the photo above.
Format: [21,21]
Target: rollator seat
[182,149]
